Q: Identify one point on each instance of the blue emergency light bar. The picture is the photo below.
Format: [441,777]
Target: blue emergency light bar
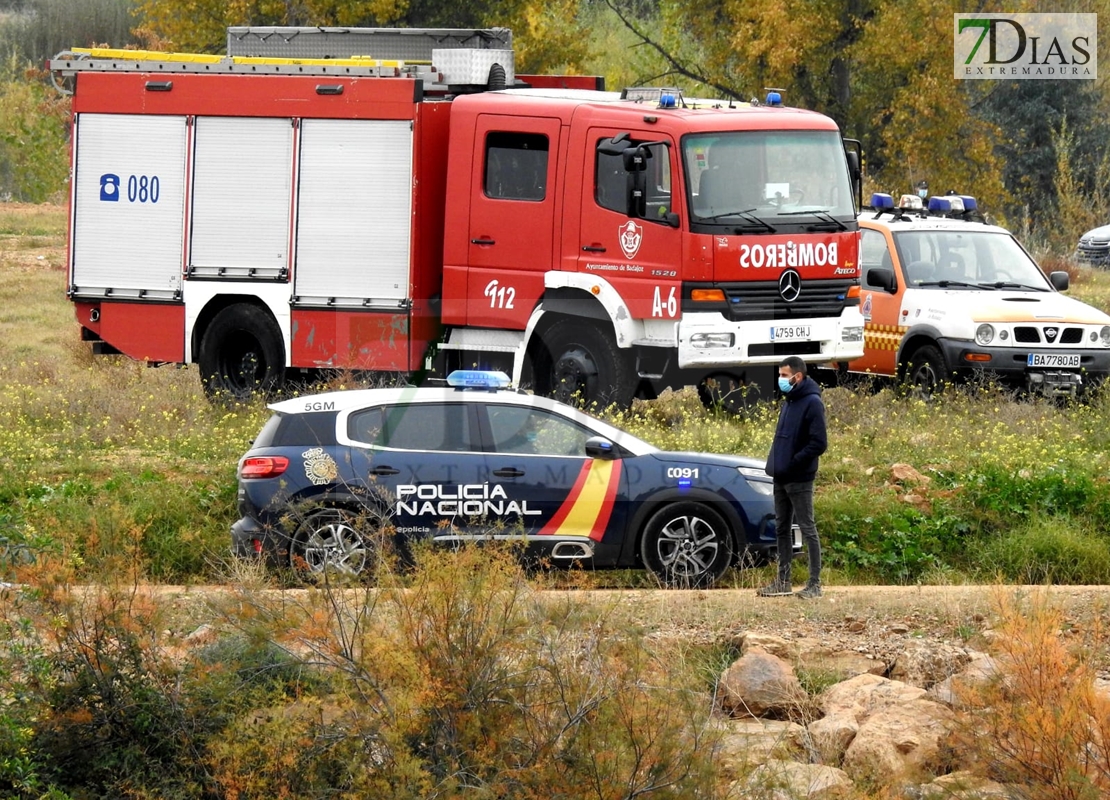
[774,99]
[881,200]
[478,379]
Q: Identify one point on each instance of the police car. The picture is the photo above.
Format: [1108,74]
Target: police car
[331,476]
[944,295]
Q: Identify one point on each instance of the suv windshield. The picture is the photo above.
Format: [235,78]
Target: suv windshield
[777,176]
[945,259]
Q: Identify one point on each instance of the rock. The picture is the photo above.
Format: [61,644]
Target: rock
[831,735]
[978,671]
[745,742]
[903,739]
[904,473]
[759,684]
[857,626]
[962,786]
[789,780]
[899,627]
[775,645]
[203,635]
[927,663]
[900,730]
[842,665]
[864,695]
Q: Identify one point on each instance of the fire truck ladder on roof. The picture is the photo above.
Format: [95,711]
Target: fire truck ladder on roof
[70,62]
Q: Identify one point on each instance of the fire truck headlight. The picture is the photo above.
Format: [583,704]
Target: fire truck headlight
[704,341]
[852,334]
[984,334]
[1104,334]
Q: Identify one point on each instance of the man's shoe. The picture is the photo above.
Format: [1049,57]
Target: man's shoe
[811,592]
[776,589]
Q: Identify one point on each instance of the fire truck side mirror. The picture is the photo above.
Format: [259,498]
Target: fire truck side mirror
[853,165]
[615,146]
[883,278]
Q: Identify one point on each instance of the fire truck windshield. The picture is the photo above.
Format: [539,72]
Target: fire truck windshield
[975,259]
[792,175]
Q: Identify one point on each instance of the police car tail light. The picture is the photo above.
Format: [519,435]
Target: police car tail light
[263,466]
[984,334]
[881,200]
[478,379]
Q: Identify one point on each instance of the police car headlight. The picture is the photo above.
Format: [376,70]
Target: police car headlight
[984,334]
[758,479]
[853,334]
[1104,334]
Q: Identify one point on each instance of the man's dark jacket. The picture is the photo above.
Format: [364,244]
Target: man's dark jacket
[799,436]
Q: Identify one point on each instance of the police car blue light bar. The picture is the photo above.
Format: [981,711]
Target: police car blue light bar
[969,202]
[478,379]
[774,99]
[940,205]
[881,200]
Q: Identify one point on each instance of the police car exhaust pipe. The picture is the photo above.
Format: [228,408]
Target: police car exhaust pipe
[571,550]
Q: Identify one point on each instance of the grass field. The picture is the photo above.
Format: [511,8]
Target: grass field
[111,463]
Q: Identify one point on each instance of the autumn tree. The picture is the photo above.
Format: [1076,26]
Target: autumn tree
[546,36]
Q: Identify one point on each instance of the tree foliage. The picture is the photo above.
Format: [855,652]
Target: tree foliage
[546,36]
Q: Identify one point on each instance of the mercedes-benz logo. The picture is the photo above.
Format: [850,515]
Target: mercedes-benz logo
[790,285]
[1050,334]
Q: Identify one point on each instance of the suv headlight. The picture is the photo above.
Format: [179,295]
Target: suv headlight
[758,479]
[984,334]
[1104,334]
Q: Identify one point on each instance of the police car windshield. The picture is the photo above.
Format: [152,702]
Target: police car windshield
[769,174]
[967,259]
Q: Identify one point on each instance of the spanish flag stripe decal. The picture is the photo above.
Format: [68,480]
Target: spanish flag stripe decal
[588,507]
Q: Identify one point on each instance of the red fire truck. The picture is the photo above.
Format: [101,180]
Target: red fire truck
[263,215]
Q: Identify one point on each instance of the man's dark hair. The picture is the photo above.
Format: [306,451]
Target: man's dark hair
[794,363]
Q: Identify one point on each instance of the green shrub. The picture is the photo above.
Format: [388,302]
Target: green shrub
[34,158]
[1048,550]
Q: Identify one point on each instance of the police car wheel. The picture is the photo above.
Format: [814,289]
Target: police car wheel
[334,539]
[241,353]
[926,373]
[578,364]
[686,545]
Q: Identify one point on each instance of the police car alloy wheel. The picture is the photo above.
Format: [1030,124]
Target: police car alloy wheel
[686,545]
[335,539]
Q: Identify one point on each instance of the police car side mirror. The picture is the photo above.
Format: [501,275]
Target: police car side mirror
[600,447]
[1059,280]
[883,278]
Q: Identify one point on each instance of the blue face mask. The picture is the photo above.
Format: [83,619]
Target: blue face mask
[785,385]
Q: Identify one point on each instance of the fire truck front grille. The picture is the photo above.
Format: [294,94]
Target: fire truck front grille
[764,300]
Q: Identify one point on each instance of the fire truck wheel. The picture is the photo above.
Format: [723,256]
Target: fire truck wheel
[333,539]
[686,545]
[241,353]
[926,373]
[578,364]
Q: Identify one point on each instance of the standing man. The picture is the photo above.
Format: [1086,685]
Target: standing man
[800,439]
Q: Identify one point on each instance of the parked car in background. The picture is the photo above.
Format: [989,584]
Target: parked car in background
[945,296]
[332,476]
[1094,247]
